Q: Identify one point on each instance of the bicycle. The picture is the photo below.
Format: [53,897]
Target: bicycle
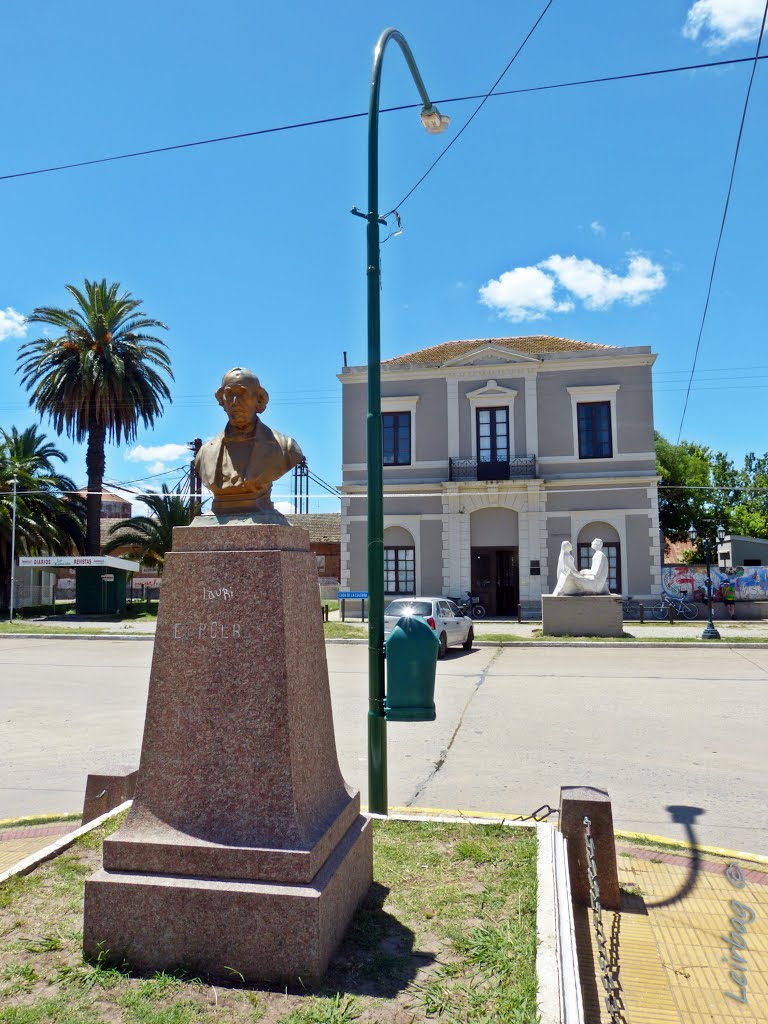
[682,609]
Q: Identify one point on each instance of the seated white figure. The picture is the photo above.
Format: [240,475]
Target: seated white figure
[571,582]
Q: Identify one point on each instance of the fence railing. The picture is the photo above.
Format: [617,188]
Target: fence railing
[517,467]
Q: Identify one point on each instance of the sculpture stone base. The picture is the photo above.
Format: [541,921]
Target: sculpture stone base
[264,931]
[244,848]
[590,615]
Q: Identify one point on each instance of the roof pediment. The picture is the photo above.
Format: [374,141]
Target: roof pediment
[490,355]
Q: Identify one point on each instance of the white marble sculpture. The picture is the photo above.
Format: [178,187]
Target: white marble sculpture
[574,583]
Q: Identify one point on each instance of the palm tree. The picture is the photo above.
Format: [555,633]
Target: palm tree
[50,515]
[99,378]
[148,538]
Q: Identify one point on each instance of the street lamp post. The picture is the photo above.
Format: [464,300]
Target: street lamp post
[434,122]
[710,632]
[14,483]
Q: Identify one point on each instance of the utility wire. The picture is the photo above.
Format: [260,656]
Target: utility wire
[722,221]
[472,116]
[323,483]
[385,110]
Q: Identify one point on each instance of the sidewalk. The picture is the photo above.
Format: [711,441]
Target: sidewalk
[20,841]
[755,629]
[678,938]
[671,949]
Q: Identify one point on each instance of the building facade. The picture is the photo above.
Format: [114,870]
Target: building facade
[495,452]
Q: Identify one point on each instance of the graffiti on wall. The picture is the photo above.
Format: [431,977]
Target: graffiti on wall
[750,582]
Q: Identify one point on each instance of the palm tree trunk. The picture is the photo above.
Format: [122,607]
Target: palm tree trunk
[94,461]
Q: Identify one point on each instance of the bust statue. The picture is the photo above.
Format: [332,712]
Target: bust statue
[573,583]
[240,465]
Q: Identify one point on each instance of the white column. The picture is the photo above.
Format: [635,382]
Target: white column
[452,386]
[537,546]
[654,535]
[531,415]
[344,561]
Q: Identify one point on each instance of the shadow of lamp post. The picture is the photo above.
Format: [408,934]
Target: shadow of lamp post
[435,123]
[710,633]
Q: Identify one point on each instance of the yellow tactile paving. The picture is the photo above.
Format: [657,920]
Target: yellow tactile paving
[14,850]
[670,948]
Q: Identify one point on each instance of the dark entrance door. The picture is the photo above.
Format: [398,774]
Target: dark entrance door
[495,579]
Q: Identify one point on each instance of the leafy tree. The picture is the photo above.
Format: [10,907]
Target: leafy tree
[709,490]
[50,515]
[99,378]
[686,469]
[148,538]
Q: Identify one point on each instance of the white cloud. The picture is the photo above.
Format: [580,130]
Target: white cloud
[525,293]
[157,453]
[12,324]
[284,506]
[531,293]
[597,228]
[724,22]
[599,288]
[157,467]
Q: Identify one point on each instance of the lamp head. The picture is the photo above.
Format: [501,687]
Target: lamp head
[692,533]
[433,120]
[720,534]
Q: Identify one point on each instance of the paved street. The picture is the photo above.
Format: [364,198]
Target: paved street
[659,728]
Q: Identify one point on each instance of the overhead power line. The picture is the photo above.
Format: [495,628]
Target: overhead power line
[603,79]
[474,113]
[722,220]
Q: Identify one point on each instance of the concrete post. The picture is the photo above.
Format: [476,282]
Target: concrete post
[576,802]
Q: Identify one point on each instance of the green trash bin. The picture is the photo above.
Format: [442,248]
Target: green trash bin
[411,663]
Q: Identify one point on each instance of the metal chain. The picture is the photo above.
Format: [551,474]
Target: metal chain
[606,974]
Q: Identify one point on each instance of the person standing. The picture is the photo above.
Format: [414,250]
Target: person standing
[728,592]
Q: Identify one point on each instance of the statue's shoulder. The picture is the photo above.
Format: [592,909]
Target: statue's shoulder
[289,445]
[211,447]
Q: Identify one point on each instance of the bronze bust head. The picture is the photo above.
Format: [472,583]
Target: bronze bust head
[240,465]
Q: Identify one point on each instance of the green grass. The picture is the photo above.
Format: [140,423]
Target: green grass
[626,638]
[447,928]
[343,631]
[40,819]
[44,627]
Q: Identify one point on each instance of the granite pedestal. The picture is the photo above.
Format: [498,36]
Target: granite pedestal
[244,849]
[587,615]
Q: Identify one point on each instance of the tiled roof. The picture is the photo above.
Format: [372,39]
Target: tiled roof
[107,496]
[323,527]
[532,345]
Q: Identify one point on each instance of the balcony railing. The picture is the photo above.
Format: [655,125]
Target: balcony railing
[518,467]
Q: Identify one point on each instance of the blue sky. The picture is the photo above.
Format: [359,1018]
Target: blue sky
[589,212]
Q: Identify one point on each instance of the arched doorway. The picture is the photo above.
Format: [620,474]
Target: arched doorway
[494,559]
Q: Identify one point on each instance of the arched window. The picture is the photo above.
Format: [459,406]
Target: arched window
[611,549]
[399,561]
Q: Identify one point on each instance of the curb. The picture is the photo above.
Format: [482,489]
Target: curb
[77,636]
[26,865]
[690,645]
[712,851]
[32,820]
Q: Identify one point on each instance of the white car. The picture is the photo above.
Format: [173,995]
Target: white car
[442,615]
